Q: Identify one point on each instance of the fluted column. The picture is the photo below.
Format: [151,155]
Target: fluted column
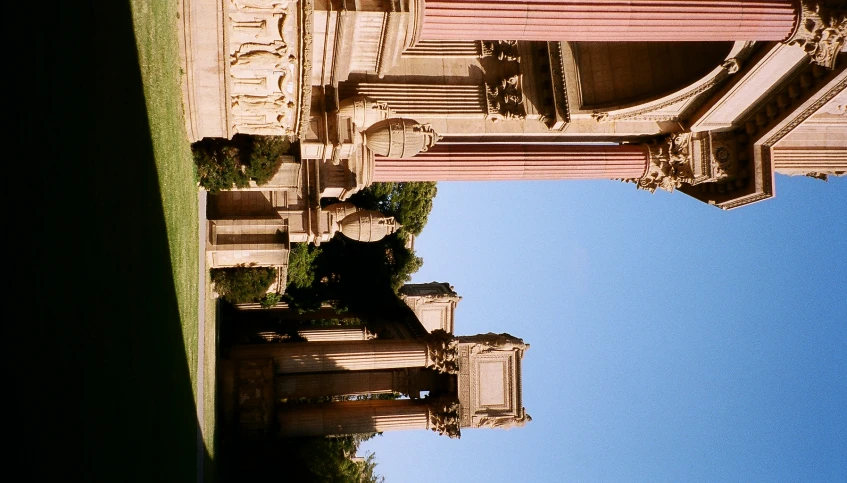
[447,162]
[609,20]
[342,384]
[416,99]
[335,333]
[369,416]
[437,352]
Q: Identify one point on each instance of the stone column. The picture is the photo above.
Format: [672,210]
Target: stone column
[422,99]
[609,20]
[335,333]
[343,383]
[436,351]
[445,162]
[350,417]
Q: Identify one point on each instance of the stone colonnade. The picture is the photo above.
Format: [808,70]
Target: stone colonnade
[349,367]
[609,20]
[447,162]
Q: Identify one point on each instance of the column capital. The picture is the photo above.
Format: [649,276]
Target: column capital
[442,351]
[820,30]
[443,416]
[669,165]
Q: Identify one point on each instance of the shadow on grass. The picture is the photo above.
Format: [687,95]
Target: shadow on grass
[97,363]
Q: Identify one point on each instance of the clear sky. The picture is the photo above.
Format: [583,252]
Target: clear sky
[671,341]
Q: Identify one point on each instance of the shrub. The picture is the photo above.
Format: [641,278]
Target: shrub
[223,164]
[243,284]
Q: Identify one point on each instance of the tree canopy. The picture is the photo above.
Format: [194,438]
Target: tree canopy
[409,203]
[223,164]
[354,273]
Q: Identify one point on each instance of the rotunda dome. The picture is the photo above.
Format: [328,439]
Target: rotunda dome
[367,226]
[399,137]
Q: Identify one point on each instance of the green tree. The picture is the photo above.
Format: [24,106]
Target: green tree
[243,284]
[409,203]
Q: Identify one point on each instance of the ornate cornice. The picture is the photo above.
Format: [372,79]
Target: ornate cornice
[821,31]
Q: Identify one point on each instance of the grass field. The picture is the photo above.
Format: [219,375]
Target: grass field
[158,57]
[155,30]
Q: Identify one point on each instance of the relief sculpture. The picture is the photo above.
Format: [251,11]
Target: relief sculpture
[505,99]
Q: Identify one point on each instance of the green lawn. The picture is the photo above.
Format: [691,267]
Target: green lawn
[158,54]
[155,26]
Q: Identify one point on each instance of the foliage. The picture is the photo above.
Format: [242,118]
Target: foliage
[270,300]
[302,261]
[243,284]
[223,164]
[409,203]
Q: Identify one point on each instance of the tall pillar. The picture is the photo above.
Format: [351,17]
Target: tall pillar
[343,383]
[351,417]
[437,351]
[609,20]
[335,333]
[416,99]
[446,162]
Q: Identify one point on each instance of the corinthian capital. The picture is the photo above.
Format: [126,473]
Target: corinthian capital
[821,31]
[443,417]
[442,352]
[670,164]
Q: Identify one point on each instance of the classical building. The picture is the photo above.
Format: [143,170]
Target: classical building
[447,383]
[708,97]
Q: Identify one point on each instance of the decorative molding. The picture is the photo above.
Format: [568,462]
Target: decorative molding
[505,99]
[491,342]
[504,420]
[821,31]
[728,67]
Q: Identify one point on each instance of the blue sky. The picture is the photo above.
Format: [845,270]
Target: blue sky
[671,341]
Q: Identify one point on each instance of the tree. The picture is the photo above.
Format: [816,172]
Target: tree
[243,284]
[409,203]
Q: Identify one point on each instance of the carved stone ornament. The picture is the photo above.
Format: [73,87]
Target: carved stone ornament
[504,421]
[669,166]
[444,417]
[505,99]
[442,352]
[506,50]
[400,137]
[492,342]
[821,31]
